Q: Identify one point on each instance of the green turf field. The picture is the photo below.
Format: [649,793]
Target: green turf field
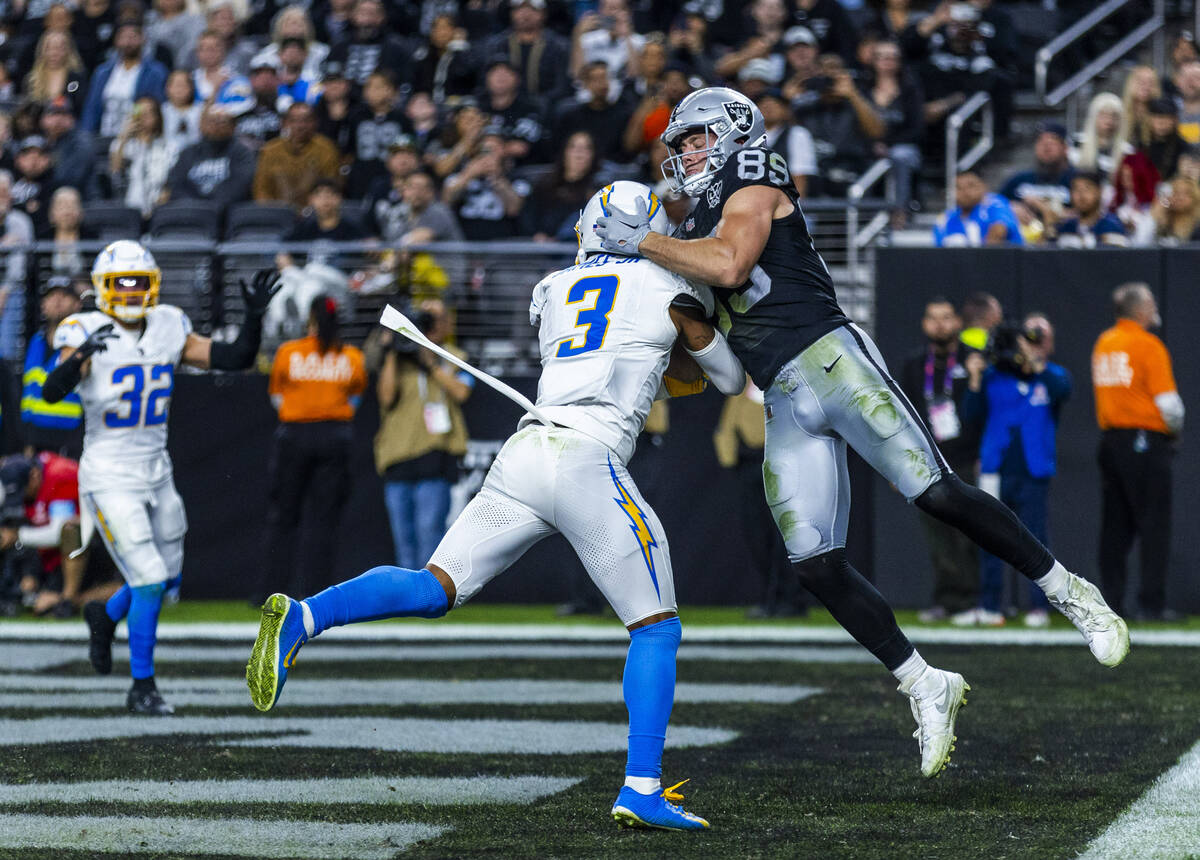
[811,756]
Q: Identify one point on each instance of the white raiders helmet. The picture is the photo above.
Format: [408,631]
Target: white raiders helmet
[623,194]
[732,122]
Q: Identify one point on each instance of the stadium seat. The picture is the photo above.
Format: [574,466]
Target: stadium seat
[185,219]
[258,221]
[113,221]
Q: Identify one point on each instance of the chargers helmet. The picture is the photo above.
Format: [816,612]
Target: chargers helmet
[623,194]
[732,122]
[126,279]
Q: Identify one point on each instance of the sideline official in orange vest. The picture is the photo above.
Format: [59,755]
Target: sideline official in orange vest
[316,385]
[1140,415]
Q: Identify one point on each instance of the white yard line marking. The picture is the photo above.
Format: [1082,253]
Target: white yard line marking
[322,693]
[36,656]
[436,791]
[1163,823]
[537,737]
[446,632]
[315,840]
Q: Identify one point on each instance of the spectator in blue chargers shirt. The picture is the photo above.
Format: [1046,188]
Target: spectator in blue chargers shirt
[1017,400]
[1090,226]
[980,218]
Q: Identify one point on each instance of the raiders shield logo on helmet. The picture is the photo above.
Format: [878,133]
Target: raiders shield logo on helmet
[739,115]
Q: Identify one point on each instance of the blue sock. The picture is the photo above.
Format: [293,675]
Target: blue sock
[381,592]
[143,628]
[117,606]
[649,687]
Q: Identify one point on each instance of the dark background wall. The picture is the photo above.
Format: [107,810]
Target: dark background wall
[221,432]
[1074,289]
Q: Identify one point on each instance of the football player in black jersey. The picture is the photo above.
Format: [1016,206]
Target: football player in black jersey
[826,387]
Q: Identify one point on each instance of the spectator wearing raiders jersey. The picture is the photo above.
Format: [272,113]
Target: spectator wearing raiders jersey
[515,115]
[541,57]
[830,23]
[34,180]
[218,168]
[369,47]
[373,127]
[262,122]
[485,199]
[767,21]
[843,124]
[601,116]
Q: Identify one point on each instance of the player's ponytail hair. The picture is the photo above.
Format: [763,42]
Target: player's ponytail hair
[324,315]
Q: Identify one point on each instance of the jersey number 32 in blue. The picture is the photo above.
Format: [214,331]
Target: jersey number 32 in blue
[154,410]
[595,317]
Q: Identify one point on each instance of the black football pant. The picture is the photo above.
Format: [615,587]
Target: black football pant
[1135,479]
[309,476]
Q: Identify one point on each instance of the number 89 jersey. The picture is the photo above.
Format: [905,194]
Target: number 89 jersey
[606,333]
[789,301]
[126,396]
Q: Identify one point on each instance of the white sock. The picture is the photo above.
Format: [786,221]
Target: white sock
[308,619]
[1055,582]
[910,670]
[644,784]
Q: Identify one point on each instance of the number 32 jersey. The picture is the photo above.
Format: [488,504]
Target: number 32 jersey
[606,334]
[788,302]
[126,396]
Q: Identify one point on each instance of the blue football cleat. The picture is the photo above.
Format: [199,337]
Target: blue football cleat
[280,635]
[633,809]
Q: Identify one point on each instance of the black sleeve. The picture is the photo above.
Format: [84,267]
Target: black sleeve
[62,380]
[239,353]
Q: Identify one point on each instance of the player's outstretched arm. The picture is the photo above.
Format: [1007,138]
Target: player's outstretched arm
[724,259]
[705,345]
[238,354]
[73,364]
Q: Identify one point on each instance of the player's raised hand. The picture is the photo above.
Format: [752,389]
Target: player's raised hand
[258,293]
[97,341]
[622,232]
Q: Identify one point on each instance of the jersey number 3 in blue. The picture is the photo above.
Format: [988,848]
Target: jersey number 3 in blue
[154,408]
[595,317]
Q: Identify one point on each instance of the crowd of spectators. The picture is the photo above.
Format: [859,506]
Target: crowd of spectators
[512,108]
[1129,177]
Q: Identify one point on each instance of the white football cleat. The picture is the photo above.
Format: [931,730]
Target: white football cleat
[935,698]
[1105,632]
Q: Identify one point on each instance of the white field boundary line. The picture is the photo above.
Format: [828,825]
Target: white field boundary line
[1163,823]
[436,632]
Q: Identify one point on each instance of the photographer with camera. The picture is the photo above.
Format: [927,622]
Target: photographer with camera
[316,386]
[1016,393]
[421,435]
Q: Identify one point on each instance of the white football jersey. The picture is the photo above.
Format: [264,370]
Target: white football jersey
[126,396]
[606,336]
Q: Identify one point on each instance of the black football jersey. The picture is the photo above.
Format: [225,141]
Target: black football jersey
[789,301]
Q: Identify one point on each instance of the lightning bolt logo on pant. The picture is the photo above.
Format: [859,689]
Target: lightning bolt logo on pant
[638,524]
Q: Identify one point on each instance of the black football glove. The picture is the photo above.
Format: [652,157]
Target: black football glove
[257,294]
[96,342]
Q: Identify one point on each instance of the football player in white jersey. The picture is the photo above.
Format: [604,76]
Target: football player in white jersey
[122,358]
[608,329]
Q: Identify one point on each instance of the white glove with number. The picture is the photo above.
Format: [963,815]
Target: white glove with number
[623,232]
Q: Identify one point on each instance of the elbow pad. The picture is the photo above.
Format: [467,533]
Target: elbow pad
[239,353]
[721,366]
[62,380]
[1170,406]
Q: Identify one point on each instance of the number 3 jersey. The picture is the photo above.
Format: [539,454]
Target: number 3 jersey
[789,301]
[606,336]
[126,396]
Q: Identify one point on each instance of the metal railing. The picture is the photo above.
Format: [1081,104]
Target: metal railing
[858,239]
[979,103]
[1154,27]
